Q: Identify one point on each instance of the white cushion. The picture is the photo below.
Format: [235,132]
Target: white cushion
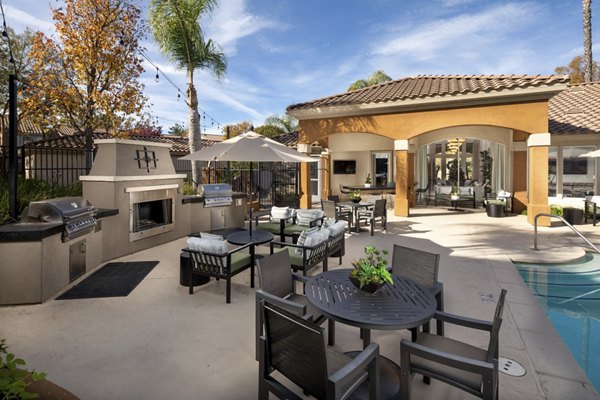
[211,236]
[305,217]
[316,238]
[279,213]
[327,222]
[302,238]
[208,245]
[337,227]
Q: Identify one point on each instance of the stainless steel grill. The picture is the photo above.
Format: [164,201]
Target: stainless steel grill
[75,212]
[217,194]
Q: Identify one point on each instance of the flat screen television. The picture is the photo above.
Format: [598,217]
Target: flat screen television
[346,167]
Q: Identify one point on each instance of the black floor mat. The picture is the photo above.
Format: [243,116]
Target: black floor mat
[113,280]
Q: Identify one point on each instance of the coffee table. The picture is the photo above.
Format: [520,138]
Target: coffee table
[254,237]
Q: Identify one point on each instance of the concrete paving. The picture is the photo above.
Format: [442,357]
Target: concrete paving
[162,343]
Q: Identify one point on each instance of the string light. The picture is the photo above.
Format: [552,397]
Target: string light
[157,78]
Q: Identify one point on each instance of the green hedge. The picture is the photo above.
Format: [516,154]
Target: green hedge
[29,190]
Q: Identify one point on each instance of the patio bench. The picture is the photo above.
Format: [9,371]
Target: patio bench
[467,194]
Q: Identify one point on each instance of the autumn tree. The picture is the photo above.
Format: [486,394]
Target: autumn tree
[239,128]
[575,70]
[177,30]
[18,63]
[86,75]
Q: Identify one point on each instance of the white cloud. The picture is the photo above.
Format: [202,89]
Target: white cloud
[454,3]
[465,31]
[17,17]
[231,22]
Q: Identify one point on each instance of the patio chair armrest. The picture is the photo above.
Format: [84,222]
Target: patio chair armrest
[291,306]
[240,248]
[351,371]
[463,321]
[408,348]
[206,252]
[301,278]
[437,287]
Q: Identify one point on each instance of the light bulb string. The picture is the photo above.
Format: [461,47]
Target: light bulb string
[6,35]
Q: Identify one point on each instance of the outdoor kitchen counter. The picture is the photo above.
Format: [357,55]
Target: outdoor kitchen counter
[200,199]
[34,231]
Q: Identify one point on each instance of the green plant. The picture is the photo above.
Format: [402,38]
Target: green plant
[454,190]
[486,162]
[355,194]
[556,210]
[368,179]
[371,269]
[187,189]
[14,380]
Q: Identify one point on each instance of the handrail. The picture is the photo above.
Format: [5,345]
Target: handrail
[566,223]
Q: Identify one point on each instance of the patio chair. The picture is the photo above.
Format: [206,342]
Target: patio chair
[423,192]
[344,191]
[277,285]
[309,251]
[337,239]
[468,367]
[278,217]
[378,212]
[295,348]
[422,267]
[303,219]
[332,210]
[212,258]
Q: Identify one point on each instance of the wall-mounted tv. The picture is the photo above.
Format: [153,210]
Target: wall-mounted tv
[344,167]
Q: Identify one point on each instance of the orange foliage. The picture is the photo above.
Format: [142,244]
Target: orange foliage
[86,75]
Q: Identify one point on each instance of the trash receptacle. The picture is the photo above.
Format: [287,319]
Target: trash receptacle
[495,208]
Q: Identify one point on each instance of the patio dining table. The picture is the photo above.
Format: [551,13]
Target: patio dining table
[355,207]
[403,305]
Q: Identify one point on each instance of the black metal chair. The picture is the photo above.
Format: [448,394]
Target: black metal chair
[469,368]
[334,197]
[378,212]
[221,265]
[423,192]
[295,347]
[422,267]
[277,285]
[274,225]
[307,257]
[332,210]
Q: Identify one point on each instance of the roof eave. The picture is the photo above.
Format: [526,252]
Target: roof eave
[516,95]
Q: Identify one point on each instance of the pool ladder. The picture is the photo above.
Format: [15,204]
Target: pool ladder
[535,241]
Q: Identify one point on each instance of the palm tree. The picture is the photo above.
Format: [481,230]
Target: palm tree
[176,28]
[286,123]
[587,39]
[375,78]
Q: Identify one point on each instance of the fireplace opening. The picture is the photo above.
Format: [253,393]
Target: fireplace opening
[150,214]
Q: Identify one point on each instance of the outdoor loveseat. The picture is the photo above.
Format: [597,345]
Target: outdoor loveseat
[469,194]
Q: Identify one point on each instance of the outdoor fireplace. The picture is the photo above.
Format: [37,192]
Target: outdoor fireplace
[151,210]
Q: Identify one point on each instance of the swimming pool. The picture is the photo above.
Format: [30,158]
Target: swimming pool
[570,296]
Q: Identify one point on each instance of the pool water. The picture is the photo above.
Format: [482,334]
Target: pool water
[570,295]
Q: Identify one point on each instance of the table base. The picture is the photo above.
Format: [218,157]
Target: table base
[389,380]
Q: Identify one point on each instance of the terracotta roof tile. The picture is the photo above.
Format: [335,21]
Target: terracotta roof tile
[575,110]
[423,86]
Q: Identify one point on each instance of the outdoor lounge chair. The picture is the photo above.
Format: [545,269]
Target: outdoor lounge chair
[303,219]
[295,347]
[278,218]
[378,212]
[468,367]
[216,260]
[308,252]
[277,285]
[421,267]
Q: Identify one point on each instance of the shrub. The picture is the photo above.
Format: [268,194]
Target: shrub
[13,379]
[556,210]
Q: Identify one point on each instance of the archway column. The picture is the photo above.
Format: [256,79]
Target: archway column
[405,178]
[305,194]
[538,144]
[325,182]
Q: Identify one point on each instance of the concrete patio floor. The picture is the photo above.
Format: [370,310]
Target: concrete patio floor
[162,343]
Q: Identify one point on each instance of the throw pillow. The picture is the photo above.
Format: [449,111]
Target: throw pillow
[279,213]
[302,238]
[305,217]
[210,236]
[338,227]
[208,245]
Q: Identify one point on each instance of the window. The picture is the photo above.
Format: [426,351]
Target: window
[578,173]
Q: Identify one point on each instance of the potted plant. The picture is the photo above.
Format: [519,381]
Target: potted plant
[370,273]
[368,180]
[354,196]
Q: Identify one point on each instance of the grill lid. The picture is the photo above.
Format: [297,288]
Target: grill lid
[60,209]
[216,190]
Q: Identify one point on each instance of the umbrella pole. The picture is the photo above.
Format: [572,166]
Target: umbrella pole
[251,206]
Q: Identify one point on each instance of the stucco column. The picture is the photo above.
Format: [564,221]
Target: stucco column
[324,163]
[305,195]
[519,179]
[404,176]
[538,144]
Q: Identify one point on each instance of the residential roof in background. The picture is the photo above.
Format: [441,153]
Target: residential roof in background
[575,110]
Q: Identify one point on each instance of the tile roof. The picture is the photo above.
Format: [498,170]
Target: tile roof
[28,127]
[423,86]
[575,110]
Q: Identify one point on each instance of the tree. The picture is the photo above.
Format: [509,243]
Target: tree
[286,123]
[575,70]
[587,40]
[239,128]
[87,76]
[146,126]
[269,131]
[178,130]
[21,46]
[375,78]
[176,27]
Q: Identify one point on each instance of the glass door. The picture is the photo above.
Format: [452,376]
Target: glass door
[382,167]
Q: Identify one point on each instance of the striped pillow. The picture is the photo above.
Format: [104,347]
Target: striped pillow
[279,213]
[302,238]
[305,217]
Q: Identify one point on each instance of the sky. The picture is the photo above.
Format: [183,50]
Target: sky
[283,52]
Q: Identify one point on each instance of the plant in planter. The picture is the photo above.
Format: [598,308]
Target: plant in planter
[370,273]
[368,180]
[13,379]
[354,196]
[454,192]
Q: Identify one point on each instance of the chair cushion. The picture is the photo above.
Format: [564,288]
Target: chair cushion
[279,213]
[295,229]
[240,260]
[208,245]
[272,227]
[451,346]
[211,236]
[302,238]
[337,228]
[316,238]
[305,217]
